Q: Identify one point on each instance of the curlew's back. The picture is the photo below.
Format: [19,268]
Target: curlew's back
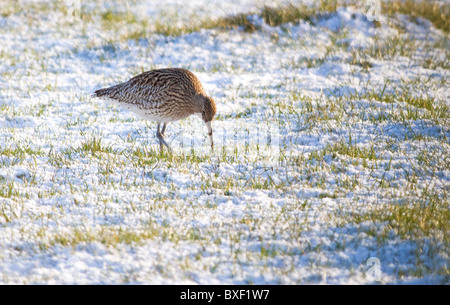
[162,95]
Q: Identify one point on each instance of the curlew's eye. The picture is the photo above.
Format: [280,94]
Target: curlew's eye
[203,114]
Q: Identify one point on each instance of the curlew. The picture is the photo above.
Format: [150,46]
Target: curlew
[163,96]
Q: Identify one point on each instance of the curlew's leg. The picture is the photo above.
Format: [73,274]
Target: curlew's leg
[163,129]
[210,134]
[160,136]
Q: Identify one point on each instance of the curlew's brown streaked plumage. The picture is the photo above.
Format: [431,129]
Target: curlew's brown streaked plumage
[163,95]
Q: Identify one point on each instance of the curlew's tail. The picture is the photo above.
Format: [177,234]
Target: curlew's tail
[108,93]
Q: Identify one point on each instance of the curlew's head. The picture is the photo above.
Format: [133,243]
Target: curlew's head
[208,111]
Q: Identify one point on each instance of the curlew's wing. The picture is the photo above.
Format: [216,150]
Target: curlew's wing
[134,91]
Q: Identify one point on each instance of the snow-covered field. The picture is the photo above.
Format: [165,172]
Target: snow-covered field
[332,147]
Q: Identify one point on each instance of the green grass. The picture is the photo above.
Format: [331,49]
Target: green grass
[275,16]
[415,218]
[165,25]
[437,12]
[109,236]
[8,8]
[419,105]
[112,20]
[197,23]
[20,151]
[398,45]
[7,190]
[92,145]
[352,150]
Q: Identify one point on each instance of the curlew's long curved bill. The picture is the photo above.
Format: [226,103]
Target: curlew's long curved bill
[210,133]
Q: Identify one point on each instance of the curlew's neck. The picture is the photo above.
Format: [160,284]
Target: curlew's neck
[199,100]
